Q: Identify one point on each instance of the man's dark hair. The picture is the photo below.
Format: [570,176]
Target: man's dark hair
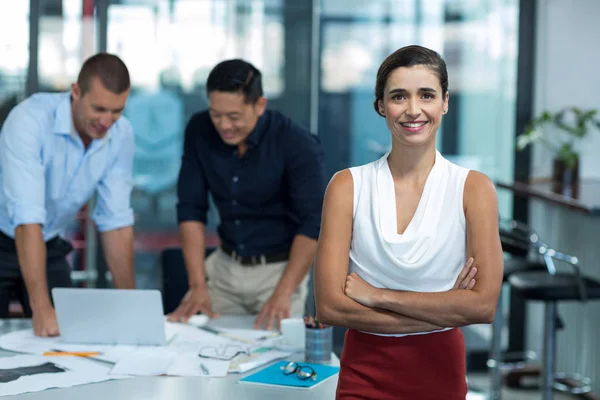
[111,71]
[410,56]
[236,76]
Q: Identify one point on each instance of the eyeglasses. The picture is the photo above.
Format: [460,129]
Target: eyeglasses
[303,372]
[224,353]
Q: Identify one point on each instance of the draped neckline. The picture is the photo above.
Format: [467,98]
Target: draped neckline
[410,246]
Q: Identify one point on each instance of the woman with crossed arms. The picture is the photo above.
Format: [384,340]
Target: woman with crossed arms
[395,235]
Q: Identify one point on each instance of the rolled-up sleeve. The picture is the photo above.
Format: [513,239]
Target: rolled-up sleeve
[305,172]
[192,194]
[23,180]
[113,206]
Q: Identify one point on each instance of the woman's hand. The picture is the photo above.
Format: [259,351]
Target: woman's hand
[466,278]
[360,291]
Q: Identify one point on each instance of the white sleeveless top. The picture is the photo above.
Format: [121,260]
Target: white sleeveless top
[431,252]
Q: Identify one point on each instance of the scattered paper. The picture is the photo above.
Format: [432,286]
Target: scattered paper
[174,328]
[246,363]
[115,353]
[193,341]
[26,373]
[191,365]
[180,356]
[142,362]
[247,335]
[24,341]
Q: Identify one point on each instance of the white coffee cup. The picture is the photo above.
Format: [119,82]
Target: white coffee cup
[293,332]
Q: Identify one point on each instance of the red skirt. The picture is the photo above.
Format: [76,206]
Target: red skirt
[415,367]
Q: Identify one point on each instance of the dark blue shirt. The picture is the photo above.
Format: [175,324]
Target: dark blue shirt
[265,198]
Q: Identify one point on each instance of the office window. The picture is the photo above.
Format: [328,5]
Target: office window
[67,36]
[14,53]
[477,39]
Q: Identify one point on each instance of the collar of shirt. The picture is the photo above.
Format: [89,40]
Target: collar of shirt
[63,122]
[258,132]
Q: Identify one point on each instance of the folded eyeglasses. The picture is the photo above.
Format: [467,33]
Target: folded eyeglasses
[303,372]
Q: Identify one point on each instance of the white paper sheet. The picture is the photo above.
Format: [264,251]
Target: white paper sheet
[24,341]
[79,371]
[144,362]
[180,356]
[249,336]
[174,328]
[246,363]
[193,341]
[190,365]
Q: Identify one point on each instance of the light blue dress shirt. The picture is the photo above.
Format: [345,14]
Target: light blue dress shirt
[47,175]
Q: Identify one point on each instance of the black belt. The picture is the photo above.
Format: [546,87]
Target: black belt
[55,246]
[255,260]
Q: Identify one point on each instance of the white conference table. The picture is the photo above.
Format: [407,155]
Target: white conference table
[180,388]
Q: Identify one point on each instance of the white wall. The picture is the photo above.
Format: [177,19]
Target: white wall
[568,71]
[568,74]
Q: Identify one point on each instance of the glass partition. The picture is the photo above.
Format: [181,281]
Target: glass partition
[170,53]
[478,40]
[14,54]
[319,60]
[67,36]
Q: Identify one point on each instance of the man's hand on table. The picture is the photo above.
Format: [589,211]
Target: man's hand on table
[44,322]
[277,308]
[195,300]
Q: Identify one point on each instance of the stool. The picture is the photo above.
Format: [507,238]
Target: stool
[518,240]
[552,287]
[500,362]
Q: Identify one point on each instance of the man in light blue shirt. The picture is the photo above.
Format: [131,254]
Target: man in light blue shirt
[56,151]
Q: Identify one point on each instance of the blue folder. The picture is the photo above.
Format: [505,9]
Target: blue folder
[273,376]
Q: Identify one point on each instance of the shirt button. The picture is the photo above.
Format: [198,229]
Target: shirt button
[237,222]
[234,202]
[235,178]
[241,246]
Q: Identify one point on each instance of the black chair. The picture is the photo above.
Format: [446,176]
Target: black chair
[517,241]
[174,277]
[551,287]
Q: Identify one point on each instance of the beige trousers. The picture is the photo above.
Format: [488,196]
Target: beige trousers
[238,289]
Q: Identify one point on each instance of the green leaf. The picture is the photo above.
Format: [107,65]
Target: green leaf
[589,114]
[568,155]
[545,117]
[526,139]
[574,128]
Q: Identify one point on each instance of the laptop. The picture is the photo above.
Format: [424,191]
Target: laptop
[110,316]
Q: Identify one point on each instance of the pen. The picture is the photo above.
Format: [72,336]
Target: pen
[72,353]
[269,336]
[204,369]
[227,335]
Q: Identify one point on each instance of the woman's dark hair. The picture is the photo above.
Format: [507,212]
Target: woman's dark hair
[236,76]
[109,68]
[410,56]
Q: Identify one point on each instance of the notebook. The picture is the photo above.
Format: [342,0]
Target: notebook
[273,376]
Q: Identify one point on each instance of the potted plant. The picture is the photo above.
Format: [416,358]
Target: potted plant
[573,125]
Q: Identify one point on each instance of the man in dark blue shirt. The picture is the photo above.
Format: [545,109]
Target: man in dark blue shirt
[266,176]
